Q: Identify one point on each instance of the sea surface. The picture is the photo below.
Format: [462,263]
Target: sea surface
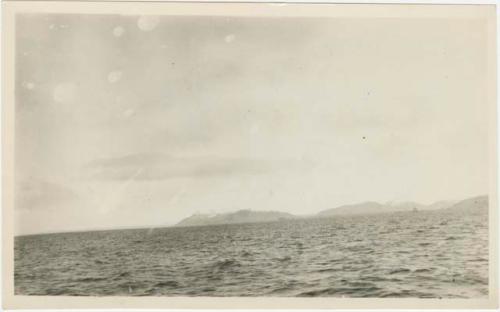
[428,254]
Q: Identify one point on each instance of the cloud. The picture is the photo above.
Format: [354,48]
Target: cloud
[162,167]
[36,194]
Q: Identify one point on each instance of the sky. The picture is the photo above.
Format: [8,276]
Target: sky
[132,121]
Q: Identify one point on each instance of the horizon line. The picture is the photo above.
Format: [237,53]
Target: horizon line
[143,227]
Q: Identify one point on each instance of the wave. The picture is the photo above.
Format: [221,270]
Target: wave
[374,278]
[340,291]
[99,261]
[166,284]
[225,264]
[407,294]
[246,253]
[424,244]
[479,260]
[401,270]
[423,270]
[284,259]
[121,275]
[204,263]
[90,279]
[327,270]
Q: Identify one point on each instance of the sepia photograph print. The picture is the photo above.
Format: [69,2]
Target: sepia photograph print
[249,155]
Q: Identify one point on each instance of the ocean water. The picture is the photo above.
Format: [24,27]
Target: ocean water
[429,254]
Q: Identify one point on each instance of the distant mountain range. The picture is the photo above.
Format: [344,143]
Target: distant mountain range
[374,207]
[479,203]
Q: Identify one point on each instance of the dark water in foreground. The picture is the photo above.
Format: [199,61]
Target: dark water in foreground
[424,254]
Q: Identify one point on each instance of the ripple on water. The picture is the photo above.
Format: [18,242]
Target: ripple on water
[431,255]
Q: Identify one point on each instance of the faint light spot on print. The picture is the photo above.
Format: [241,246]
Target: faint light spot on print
[148,22]
[229,38]
[118,31]
[128,113]
[29,85]
[114,76]
[64,92]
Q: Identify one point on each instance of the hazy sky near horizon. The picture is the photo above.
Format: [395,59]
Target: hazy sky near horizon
[142,121]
